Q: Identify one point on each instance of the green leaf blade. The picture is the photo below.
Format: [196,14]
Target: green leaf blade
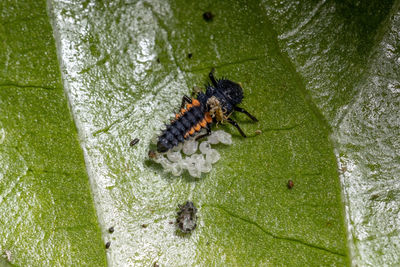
[48,216]
[347,54]
[247,214]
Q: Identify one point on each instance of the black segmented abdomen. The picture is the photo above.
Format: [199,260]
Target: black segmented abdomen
[176,131]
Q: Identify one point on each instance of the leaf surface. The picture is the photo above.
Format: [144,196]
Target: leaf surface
[47,212]
[126,69]
[321,77]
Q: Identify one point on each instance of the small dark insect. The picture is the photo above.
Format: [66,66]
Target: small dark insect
[158,60]
[156,264]
[111,230]
[290,184]
[208,16]
[214,106]
[374,197]
[187,219]
[108,244]
[190,55]
[134,142]
[144,225]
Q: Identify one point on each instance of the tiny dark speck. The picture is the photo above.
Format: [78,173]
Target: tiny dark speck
[144,225]
[156,264]
[208,16]
[108,244]
[134,142]
[158,60]
[374,197]
[111,230]
[152,155]
[290,184]
[190,55]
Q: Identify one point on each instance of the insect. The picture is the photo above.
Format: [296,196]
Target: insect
[290,184]
[214,106]
[134,142]
[187,217]
[208,16]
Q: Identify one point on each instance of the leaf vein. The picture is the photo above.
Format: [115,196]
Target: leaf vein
[224,64]
[27,86]
[291,239]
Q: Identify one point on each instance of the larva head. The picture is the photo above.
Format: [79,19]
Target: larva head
[232,91]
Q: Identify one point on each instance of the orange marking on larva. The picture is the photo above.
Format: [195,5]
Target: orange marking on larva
[203,123]
[195,102]
[189,106]
[207,117]
[186,135]
[191,131]
[177,115]
[197,127]
[183,111]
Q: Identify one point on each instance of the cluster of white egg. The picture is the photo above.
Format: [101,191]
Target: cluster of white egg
[184,156]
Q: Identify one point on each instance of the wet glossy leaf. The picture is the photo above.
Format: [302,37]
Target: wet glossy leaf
[126,68]
[47,212]
[348,55]
[322,78]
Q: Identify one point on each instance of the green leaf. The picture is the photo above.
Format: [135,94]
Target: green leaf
[47,212]
[321,77]
[348,55]
[119,91]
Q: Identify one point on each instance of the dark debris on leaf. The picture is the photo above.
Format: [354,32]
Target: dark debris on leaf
[152,154]
[290,184]
[208,16]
